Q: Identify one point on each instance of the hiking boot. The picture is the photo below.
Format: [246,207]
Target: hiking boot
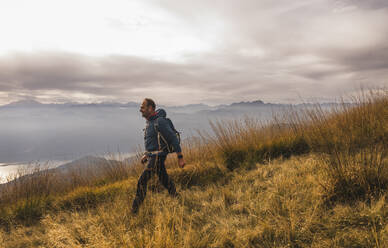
[135,208]
[134,211]
[176,195]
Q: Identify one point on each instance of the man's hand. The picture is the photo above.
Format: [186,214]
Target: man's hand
[181,162]
[144,159]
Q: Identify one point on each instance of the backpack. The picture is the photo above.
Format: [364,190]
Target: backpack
[169,147]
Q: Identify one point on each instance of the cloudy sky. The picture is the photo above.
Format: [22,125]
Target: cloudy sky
[182,52]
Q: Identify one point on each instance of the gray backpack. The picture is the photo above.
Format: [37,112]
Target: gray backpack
[168,146]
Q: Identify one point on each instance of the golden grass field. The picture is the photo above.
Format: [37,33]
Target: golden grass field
[319,181]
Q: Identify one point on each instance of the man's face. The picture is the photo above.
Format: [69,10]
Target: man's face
[145,110]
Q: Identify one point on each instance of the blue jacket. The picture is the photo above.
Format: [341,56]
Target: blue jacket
[150,134]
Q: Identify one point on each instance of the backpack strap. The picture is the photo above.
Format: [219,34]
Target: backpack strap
[156,126]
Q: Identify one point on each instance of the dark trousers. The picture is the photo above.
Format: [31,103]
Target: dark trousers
[155,164]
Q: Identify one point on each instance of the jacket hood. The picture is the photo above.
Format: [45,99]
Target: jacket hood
[159,113]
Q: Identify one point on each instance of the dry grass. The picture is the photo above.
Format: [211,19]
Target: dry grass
[352,141]
[353,144]
[31,192]
[307,179]
[274,205]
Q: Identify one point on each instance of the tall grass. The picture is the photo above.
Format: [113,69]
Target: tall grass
[353,142]
[33,190]
[245,142]
[352,139]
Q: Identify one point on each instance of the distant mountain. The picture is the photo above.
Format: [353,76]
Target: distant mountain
[243,104]
[87,162]
[197,105]
[188,108]
[24,103]
[33,103]
[85,167]
[132,104]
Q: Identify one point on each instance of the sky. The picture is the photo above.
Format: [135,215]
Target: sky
[186,52]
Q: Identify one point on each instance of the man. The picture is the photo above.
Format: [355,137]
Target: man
[154,154]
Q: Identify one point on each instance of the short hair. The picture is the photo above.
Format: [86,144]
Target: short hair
[150,102]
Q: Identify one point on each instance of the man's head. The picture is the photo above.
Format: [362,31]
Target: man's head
[147,107]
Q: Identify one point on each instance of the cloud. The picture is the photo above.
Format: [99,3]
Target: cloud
[270,50]
[334,40]
[371,4]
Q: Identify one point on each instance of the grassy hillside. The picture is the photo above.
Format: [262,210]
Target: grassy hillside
[308,179]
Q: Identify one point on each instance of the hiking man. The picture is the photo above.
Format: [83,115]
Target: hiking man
[156,151]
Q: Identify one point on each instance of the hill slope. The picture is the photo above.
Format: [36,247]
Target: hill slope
[319,181]
[272,205]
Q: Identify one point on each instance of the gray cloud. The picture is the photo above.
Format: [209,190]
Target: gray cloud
[373,4]
[261,50]
[120,75]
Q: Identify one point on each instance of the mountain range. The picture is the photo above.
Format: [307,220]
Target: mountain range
[199,106]
[30,130]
